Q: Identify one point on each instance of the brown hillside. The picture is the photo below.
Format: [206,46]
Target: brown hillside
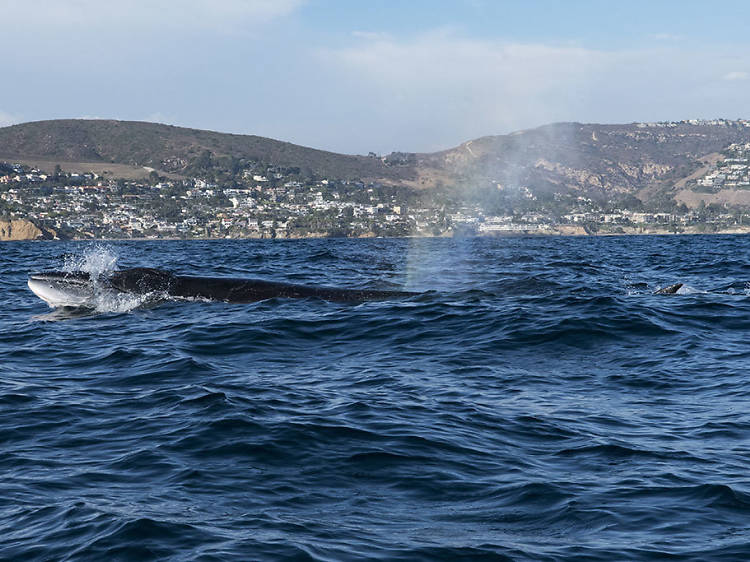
[171,149]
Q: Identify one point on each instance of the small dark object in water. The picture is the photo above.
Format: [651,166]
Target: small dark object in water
[671,290]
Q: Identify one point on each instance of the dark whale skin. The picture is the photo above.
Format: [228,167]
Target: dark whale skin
[671,290]
[238,290]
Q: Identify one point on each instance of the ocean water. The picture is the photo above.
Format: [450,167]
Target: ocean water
[536,402]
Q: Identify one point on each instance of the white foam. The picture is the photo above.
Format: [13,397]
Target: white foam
[109,301]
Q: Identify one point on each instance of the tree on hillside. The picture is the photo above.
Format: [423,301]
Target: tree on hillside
[204,161]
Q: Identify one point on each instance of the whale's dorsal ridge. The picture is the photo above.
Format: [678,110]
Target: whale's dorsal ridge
[141,280]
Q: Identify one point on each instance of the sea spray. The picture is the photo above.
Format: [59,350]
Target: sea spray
[97,260]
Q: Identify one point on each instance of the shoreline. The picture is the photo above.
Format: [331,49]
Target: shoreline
[514,234]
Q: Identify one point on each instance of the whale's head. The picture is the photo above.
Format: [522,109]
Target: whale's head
[64,288]
[81,289]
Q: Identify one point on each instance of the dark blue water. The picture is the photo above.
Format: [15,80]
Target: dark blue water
[537,403]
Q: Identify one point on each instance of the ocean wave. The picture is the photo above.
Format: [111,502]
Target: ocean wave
[536,402]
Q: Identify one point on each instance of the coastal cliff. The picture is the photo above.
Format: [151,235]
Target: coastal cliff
[11,230]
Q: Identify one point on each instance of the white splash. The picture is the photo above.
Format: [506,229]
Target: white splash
[688,290]
[109,301]
[97,260]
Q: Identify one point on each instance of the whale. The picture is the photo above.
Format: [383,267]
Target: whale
[670,290]
[83,289]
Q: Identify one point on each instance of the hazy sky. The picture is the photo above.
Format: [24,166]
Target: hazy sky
[354,76]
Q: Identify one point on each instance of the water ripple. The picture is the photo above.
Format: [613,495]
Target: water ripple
[536,402]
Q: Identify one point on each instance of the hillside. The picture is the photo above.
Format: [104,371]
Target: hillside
[652,162]
[599,161]
[174,149]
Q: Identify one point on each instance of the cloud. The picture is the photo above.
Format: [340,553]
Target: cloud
[6,119]
[371,35]
[736,75]
[166,14]
[358,92]
[666,37]
[159,117]
[442,86]
[434,90]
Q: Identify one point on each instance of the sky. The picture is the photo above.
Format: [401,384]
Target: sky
[357,76]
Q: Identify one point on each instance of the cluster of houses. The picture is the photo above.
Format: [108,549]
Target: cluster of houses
[732,172]
[274,206]
[96,207]
[474,221]
[696,122]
